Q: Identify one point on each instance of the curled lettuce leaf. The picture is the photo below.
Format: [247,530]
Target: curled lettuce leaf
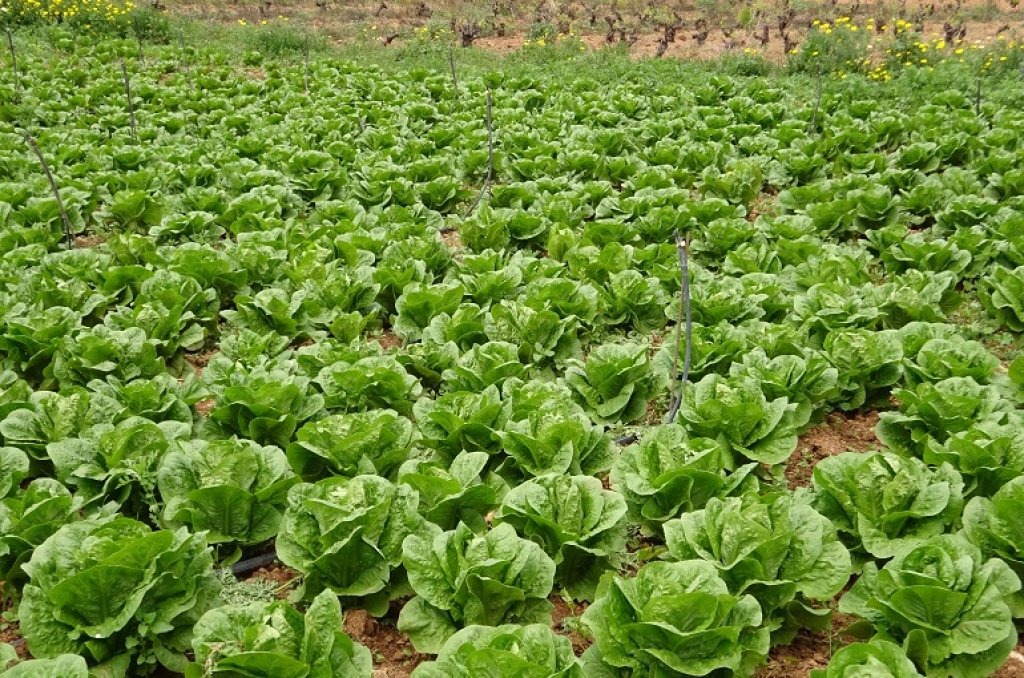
[944,603]
[373,442]
[578,523]
[462,579]
[674,619]
[884,503]
[736,412]
[1002,294]
[511,650]
[345,534]
[775,547]
[666,474]
[452,493]
[61,666]
[879,658]
[932,411]
[995,526]
[27,520]
[119,594]
[274,640]
[234,490]
[615,384]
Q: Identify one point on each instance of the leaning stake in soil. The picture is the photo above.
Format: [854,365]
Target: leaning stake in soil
[683,248]
[128,95]
[14,63]
[53,187]
[490,158]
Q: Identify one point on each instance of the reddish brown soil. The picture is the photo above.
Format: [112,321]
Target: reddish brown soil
[654,414]
[393,654]
[89,240]
[285,578]
[203,407]
[1014,666]
[452,239]
[10,633]
[839,433]
[809,650]
[562,614]
[388,340]
[199,361]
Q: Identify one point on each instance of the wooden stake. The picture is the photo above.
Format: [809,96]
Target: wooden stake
[817,105]
[490,158]
[53,187]
[455,77]
[128,96]
[977,97]
[14,63]
[305,75]
[683,248]
[138,38]
[184,58]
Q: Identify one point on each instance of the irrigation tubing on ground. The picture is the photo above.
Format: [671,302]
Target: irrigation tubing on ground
[244,567]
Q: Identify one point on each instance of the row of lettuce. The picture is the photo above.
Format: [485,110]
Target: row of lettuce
[471,470]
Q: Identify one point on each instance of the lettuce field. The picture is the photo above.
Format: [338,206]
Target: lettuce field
[520,367]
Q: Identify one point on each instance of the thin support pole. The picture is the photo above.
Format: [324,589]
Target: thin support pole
[490,157]
[53,187]
[305,74]
[455,77]
[977,97]
[14,63]
[683,248]
[128,96]
[138,38]
[813,127]
[184,58]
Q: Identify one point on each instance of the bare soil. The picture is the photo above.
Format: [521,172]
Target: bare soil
[200,360]
[452,239]
[282,576]
[565,622]
[809,650]
[10,633]
[204,407]
[393,654]
[837,434]
[1014,666]
[388,340]
[89,240]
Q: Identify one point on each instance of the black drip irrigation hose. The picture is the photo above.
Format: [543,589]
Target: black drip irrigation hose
[244,567]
